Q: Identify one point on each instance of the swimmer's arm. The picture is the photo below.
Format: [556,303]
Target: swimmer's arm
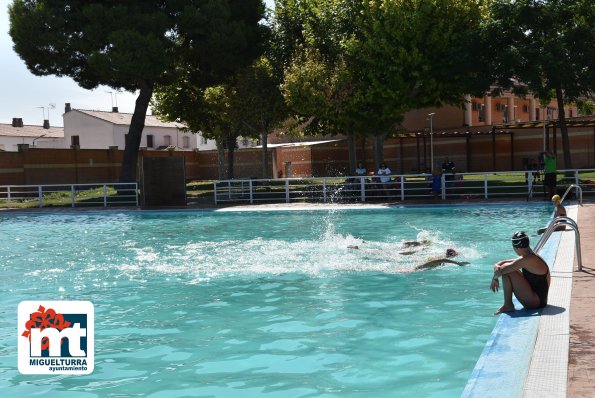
[507,266]
[438,262]
[505,261]
[455,262]
[408,252]
[429,264]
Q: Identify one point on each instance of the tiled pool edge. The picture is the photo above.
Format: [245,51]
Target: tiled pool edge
[503,365]
[548,372]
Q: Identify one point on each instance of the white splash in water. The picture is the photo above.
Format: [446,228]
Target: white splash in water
[331,253]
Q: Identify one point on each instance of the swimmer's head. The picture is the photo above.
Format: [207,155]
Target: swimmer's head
[520,240]
[556,198]
[451,252]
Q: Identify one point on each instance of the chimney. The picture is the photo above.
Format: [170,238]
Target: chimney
[67,107]
[15,122]
[114,109]
[46,124]
[20,122]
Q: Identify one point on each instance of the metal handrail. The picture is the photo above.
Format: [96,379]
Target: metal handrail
[568,222]
[10,193]
[578,189]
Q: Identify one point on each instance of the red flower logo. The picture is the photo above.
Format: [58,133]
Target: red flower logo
[43,319]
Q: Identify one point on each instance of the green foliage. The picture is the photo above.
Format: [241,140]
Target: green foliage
[419,53]
[358,66]
[258,99]
[248,104]
[134,45]
[585,107]
[544,44]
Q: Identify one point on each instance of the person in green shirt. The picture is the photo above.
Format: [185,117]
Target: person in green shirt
[550,170]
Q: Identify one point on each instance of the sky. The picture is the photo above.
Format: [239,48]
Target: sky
[23,94]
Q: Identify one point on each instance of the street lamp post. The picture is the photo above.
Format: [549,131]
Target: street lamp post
[431,115]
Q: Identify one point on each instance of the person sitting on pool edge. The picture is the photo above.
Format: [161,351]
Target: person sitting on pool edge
[436,262]
[560,211]
[527,276]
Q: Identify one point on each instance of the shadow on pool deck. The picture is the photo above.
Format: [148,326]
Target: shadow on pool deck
[581,356]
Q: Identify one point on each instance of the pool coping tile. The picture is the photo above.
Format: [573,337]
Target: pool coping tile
[527,352]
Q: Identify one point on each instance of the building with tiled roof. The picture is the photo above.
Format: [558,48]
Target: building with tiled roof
[90,129]
[17,133]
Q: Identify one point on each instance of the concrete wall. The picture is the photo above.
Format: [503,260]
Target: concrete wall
[475,153]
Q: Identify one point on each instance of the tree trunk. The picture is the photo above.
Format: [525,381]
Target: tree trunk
[264,157]
[363,159]
[231,147]
[135,132]
[378,150]
[351,150]
[563,129]
[220,159]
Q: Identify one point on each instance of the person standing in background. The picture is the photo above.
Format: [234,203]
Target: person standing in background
[550,170]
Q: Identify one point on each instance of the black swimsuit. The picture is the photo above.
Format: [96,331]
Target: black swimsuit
[539,285]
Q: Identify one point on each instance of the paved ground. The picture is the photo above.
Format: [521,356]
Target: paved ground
[581,361]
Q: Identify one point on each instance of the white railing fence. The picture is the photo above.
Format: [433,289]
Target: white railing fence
[75,195]
[487,185]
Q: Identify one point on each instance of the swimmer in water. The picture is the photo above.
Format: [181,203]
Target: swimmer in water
[436,262]
[414,243]
[407,244]
[560,211]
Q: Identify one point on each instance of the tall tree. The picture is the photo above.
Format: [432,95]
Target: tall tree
[398,55]
[318,83]
[261,103]
[205,110]
[548,47]
[419,53]
[134,45]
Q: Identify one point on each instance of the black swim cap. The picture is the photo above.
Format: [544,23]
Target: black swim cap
[520,240]
[451,252]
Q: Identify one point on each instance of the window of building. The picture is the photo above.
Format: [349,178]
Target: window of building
[245,141]
[167,140]
[75,141]
[186,142]
[203,140]
[150,141]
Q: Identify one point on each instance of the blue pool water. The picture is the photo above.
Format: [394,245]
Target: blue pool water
[261,304]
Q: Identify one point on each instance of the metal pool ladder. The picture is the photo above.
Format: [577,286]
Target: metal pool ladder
[578,189]
[568,222]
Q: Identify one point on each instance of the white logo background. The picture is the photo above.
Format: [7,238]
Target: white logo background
[26,308]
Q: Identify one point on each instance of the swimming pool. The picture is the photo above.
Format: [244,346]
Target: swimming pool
[262,303]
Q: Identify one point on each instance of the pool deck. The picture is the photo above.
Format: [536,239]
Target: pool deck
[581,355]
